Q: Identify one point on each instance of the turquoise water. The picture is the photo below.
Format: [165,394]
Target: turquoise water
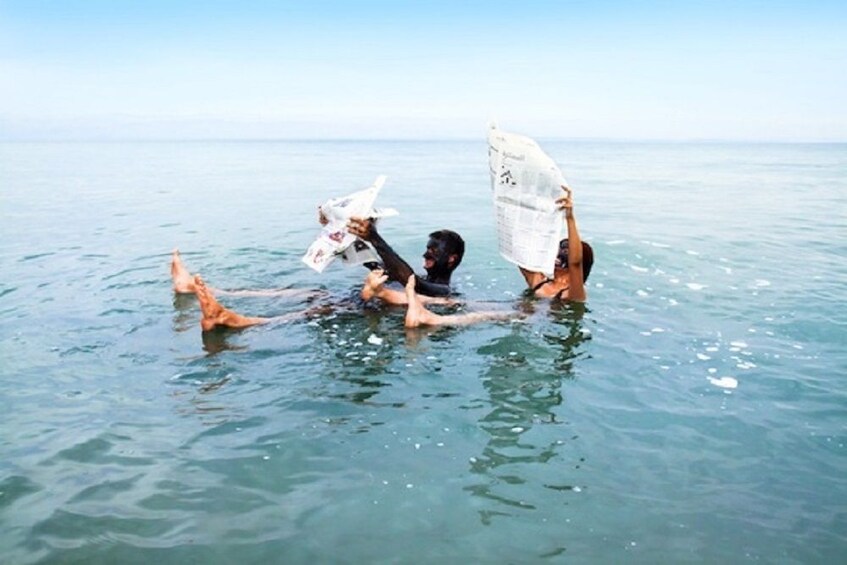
[601,434]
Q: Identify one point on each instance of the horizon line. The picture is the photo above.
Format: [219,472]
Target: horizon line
[428,139]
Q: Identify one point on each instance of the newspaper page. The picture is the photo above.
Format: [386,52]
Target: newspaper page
[525,183]
[334,240]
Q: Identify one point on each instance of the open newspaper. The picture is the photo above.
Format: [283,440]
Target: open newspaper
[334,240]
[526,183]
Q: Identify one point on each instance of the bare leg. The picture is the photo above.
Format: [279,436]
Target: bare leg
[374,287]
[184,284]
[417,314]
[183,281]
[305,293]
[215,315]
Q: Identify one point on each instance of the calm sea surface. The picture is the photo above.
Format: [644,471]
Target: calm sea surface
[695,410]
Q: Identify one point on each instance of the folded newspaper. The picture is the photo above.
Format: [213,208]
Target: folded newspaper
[334,240]
[526,183]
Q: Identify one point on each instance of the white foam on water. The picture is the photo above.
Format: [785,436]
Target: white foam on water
[762,282]
[691,252]
[740,344]
[695,286]
[642,293]
[703,357]
[724,382]
[373,339]
[616,242]
[639,269]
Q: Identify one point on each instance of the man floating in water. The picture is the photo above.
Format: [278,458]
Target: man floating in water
[443,254]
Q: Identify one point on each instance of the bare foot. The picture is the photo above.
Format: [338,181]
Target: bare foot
[183,281]
[416,313]
[373,284]
[215,315]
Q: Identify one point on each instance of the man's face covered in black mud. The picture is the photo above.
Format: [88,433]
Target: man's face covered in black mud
[436,259]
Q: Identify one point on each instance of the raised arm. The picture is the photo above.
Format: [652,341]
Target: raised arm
[394,265]
[576,279]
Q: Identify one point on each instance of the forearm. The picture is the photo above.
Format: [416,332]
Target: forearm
[396,268]
[574,242]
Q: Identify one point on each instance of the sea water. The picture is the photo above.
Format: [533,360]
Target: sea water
[694,410]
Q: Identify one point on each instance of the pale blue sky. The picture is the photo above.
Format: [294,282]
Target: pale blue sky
[760,70]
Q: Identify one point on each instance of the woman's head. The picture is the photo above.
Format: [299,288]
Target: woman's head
[587,258]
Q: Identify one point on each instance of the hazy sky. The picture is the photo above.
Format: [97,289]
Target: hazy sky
[764,70]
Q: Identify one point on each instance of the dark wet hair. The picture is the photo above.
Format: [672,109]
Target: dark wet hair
[587,257]
[454,244]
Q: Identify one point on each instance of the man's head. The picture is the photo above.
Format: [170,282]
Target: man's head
[587,258]
[444,252]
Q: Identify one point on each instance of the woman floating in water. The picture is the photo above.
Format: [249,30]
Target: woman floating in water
[572,266]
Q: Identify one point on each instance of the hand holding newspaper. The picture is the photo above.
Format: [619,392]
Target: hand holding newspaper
[334,240]
[525,183]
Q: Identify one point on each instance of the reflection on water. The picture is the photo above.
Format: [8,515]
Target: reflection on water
[185,312]
[359,340]
[523,381]
[216,341]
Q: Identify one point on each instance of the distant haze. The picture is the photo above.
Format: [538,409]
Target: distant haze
[743,70]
